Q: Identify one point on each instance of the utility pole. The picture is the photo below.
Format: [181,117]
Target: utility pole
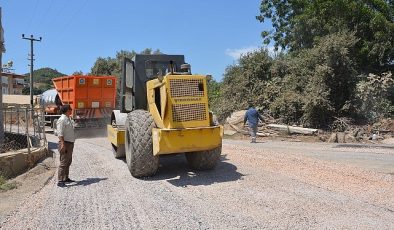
[32,40]
[2,49]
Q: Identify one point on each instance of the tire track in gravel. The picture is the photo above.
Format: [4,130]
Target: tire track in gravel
[252,188]
[168,210]
[356,190]
[116,189]
[371,187]
[92,203]
[161,207]
[273,200]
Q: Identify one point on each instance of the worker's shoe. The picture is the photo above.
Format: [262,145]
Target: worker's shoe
[68,180]
[61,184]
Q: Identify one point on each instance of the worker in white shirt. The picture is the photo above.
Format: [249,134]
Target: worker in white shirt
[66,136]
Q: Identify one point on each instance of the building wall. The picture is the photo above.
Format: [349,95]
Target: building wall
[4,85]
[11,85]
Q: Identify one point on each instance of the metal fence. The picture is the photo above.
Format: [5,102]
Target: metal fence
[23,128]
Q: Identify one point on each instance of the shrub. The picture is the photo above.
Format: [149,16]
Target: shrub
[373,96]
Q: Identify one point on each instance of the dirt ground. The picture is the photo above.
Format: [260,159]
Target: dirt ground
[272,184]
[27,184]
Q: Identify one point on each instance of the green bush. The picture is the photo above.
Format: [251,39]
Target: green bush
[4,185]
[373,96]
[2,180]
[244,82]
[310,87]
[288,107]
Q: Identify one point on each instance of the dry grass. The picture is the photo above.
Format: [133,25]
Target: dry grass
[5,186]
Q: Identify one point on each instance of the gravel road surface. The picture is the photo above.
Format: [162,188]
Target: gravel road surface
[268,185]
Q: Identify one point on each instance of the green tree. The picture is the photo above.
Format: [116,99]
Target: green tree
[374,96]
[213,93]
[319,83]
[104,66]
[150,51]
[299,24]
[245,82]
[36,91]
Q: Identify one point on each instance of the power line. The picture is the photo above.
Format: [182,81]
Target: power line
[45,15]
[73,16]
[33,15]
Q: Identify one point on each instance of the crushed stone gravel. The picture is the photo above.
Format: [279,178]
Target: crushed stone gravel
[267,185]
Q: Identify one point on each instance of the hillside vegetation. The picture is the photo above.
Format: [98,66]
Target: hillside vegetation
[335,60]
[42,80]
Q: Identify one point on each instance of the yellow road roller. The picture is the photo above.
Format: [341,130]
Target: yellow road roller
[163,110]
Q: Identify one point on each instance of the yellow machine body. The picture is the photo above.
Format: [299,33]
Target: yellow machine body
[179,107]
[115,135]
[167,141]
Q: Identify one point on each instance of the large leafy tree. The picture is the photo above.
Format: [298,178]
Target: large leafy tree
[298,24]
[244,82]
[104,66]
[213,92]
[318,83]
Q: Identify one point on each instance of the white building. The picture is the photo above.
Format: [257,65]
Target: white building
[12,83]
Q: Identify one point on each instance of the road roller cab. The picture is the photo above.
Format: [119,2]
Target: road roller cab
[164,110]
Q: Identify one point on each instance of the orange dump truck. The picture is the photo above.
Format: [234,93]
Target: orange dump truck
[92,99]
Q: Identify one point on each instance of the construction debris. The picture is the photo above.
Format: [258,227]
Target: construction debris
[293,129]
[234,124]
[343,130]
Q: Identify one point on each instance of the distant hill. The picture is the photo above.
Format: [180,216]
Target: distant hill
[43,77]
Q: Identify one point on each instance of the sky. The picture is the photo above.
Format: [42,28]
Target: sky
[211,34]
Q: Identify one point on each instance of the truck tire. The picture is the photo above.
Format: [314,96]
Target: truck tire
[139,148]
[204,160]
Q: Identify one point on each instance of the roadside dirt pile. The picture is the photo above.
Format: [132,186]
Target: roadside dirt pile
[342,130]
[384,126]
[268,128]
[345,130]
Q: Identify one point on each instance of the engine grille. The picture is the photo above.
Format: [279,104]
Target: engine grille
[187,88]
[188,112]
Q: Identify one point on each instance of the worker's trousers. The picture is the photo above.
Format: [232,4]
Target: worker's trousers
[253,131]
[65,160]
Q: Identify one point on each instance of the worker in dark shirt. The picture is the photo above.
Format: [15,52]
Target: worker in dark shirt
[252,116]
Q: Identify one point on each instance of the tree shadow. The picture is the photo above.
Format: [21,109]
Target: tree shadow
[174,169]
[86,182]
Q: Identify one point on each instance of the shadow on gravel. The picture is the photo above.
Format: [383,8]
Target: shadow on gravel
[383,146]
[86,182]
[175,170]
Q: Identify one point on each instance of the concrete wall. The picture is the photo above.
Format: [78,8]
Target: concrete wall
[17,162]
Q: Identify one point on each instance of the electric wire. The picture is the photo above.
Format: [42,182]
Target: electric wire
[33,16]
